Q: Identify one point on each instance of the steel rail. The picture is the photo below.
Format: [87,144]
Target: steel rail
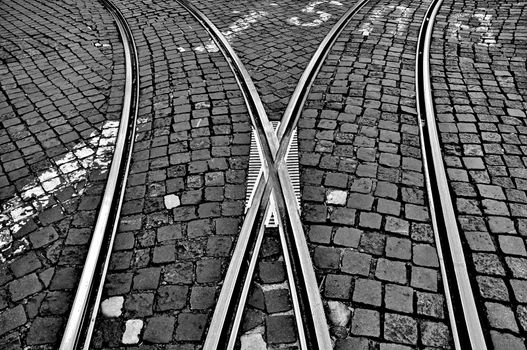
[288,207]
[299,96]
[247,279]
[88,295]
[466,327]
[297,243]
[235,279]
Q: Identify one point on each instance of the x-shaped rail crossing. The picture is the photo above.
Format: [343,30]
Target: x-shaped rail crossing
[275,186]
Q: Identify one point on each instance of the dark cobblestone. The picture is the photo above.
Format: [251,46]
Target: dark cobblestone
[190,327]
[364,201]
[60,97]
[478,74]
[361,114]
[185,195]
[280,329]
[44,331]
[365,322]
[12,318]
[159,330]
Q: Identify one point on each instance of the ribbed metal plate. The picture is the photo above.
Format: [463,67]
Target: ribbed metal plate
[256,170]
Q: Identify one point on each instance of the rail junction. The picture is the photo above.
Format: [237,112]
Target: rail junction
[321,174]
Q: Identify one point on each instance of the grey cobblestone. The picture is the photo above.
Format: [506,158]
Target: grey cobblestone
[185,196]
[482,146]
[364,200]
[365,322]
[291,31]
[360,125]
[400,329]
[60,98]
[12,318]
[367,292]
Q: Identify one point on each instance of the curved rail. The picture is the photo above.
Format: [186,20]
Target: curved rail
[227,315]
[80,326]
[465,323]
[298,99]
[309,311]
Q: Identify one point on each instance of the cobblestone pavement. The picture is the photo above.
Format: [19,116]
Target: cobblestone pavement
[269,319]
[364,203]
[186,192]
[60,97]
[364,200]
[275,40]
[479,75]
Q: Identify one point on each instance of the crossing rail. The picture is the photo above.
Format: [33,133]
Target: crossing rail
[274,190]
[274,187]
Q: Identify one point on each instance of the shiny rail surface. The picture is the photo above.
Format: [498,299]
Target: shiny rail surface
[228,313]
[276,183]
[464,319]
[79,327]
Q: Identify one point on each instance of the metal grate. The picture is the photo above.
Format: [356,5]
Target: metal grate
[256,171]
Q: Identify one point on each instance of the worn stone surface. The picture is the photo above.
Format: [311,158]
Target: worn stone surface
[60,100]
[339,313]
[44,331]
[280,329]
[159,330]
[478,79]
[132,330]
[184,198]
[252,341]
[112,307]
[12,318]
[359,138]
[365,322]
[364,203]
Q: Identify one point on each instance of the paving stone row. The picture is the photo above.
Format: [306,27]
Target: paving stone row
[269,319]
[185,195]
[363,191]
[60,96]
[275,40]
[479,77]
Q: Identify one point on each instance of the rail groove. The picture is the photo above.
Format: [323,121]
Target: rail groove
[79,327]
[276,183]
[464,319]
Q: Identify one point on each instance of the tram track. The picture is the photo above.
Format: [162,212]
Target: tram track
[81,321]
[275,186]
[465,322]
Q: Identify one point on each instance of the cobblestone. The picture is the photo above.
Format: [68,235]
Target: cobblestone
[356,263]
[367,292]
[43,331]
[60,99]
[185,195]
[159,330]
[280,329]
[365,322]
[12,318]
[399,298]
[501,317]
[363,101]
[190,327]
[364,202]
[482,157]
[400,329]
